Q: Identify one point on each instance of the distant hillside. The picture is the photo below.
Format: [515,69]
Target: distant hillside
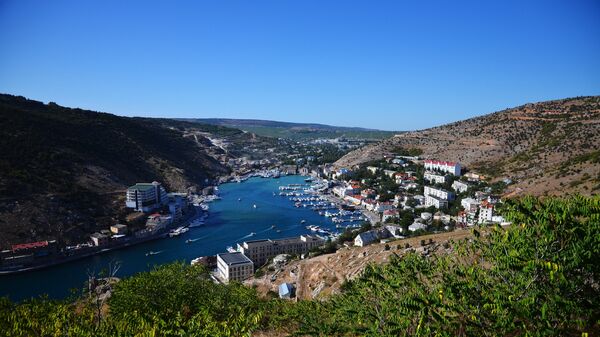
[63,171]
[548,147]
[296,131]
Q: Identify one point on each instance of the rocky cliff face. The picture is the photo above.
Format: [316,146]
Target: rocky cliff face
[547,148]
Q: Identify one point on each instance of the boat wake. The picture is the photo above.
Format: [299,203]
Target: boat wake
[247,236]
[194,240]
[150,253]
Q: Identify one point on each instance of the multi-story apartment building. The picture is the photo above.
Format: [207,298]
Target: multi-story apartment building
[145,197]
[460,186]
[234,266]
[440,203]
[443,166]
[260,251]
[438,193]
[486,212]
[470,205]
[434,178]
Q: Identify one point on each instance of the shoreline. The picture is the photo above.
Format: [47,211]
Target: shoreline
[97,250]
[93,251]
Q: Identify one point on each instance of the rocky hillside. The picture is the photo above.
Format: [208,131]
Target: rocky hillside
[549,147]
[63,171]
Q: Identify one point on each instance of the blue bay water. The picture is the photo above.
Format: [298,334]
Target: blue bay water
[230,221]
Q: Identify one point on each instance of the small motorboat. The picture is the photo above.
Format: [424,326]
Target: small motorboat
[302,221]
[150,253]
[254,206]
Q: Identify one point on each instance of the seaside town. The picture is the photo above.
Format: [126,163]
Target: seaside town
[377,202]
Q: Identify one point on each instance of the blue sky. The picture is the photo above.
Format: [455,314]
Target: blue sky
[394,65]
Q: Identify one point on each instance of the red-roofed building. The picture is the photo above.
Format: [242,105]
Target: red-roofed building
[443,166]
[355,199]
[37,248]
[30,245]
[389,213]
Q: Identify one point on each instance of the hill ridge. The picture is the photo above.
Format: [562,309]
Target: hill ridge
[532,144]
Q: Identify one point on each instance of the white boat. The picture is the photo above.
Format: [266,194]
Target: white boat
[191,240]
[302,221]
[178,231]
[254,206]
[153,253]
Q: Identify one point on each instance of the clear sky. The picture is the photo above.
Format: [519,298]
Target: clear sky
[393,65]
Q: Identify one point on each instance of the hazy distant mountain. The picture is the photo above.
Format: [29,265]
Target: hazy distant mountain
[63,171]
[295,131]
[547,147]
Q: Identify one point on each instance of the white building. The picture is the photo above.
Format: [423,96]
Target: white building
[436,202]
[372,169]
[486,212]
[417,226]
[434,178]
[470,205]
[459,186]
[260,251]
[389,173]
[443,166]
[234,266]
[438,193]
[374,235]
[145,197]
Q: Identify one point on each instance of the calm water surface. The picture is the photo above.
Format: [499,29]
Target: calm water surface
[230,221]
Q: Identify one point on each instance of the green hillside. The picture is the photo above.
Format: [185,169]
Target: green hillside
[296,131]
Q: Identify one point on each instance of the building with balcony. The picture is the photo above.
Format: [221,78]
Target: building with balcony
[146,197]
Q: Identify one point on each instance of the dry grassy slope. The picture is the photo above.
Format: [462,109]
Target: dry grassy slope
[322,276]
[548,147]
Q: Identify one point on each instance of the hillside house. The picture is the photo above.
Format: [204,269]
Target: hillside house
[390,213]
[417,226]
[436,202]
[369,237]
[443,166]
[486,212]
[459,186]
[470,205]
[438,193]
[373,169]
[434,178]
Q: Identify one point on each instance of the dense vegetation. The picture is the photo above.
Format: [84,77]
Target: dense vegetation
[538,277]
